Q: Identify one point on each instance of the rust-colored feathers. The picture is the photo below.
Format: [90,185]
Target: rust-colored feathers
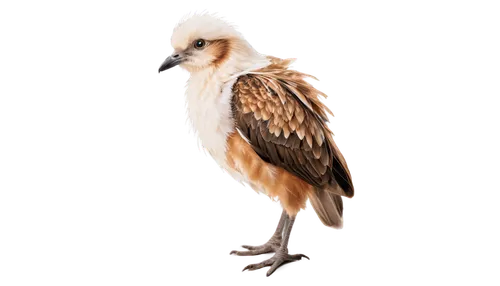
[282,117]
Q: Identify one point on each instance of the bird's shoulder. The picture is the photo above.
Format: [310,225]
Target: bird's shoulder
[284,100]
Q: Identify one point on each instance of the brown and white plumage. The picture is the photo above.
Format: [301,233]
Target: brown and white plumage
[281,117]
[263,123]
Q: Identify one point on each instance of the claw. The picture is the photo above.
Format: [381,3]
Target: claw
[243,269]
[299,256]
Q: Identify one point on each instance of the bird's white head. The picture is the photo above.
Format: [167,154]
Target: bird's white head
[204,41]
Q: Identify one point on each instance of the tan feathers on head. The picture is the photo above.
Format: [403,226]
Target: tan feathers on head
[220,50]
[222,44]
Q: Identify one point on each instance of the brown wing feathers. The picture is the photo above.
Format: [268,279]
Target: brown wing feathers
[285,122]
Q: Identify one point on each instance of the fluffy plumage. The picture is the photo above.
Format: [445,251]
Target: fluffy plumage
[263,123]
[227,53]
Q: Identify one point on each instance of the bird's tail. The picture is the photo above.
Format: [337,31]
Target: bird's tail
[328,207]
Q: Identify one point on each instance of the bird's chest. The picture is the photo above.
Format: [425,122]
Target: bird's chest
[211,129]
[209,110]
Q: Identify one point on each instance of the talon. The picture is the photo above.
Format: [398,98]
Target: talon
[304,256]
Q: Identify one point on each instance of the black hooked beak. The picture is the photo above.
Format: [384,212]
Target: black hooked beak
[171,61]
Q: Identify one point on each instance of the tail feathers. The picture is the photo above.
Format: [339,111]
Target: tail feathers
[328,207]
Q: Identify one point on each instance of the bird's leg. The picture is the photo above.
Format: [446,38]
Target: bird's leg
[281,256]
[272,245]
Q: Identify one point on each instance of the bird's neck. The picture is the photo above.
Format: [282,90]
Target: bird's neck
[235,66]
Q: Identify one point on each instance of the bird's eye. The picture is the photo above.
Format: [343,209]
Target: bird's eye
[199,43]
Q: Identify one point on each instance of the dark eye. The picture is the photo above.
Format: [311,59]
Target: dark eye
[199,43]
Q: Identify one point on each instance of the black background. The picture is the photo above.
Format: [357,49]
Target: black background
[179,214]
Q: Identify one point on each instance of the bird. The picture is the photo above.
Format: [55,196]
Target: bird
[264,124]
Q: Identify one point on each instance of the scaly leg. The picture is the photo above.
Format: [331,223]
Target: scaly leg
[281,256]
[272,245]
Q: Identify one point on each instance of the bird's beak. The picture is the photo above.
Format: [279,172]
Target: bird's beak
[172,61]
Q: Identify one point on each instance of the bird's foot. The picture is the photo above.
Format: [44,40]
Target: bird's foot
[269,247]
[280,258]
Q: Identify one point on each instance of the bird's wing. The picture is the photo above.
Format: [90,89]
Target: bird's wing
[281,116]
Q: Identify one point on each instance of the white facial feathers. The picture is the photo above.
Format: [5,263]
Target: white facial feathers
[202,26]
[226,51]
